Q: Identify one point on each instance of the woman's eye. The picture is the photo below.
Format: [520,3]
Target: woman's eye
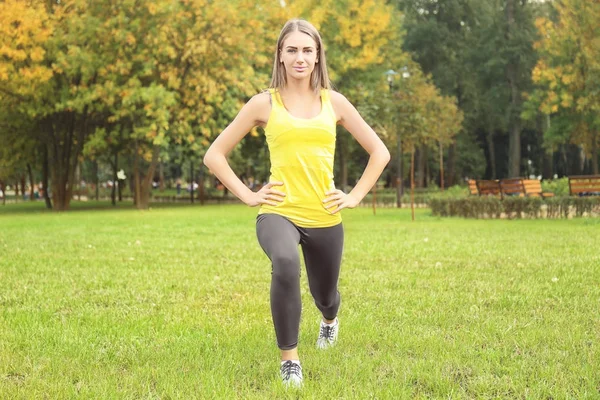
[291,51]
[308,51]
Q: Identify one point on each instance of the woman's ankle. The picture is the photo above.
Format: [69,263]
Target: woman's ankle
[289,354]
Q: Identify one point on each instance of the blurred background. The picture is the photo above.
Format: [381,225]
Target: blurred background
[119,99]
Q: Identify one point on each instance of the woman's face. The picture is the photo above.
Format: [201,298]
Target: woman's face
[298,55]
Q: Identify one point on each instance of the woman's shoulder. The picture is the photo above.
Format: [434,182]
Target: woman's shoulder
[336,97]
[260,105]
[261,99]
[339,102]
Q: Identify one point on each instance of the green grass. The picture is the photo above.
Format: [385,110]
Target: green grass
[174,303]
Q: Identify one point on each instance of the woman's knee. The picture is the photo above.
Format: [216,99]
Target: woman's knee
[286,268]
[328,300]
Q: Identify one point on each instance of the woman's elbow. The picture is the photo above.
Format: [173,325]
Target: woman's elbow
[208,159]
[385,155]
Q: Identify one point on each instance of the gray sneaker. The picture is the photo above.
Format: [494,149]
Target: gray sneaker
[291,374]
[328,334]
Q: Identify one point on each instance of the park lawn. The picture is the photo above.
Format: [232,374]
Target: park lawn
[174,303]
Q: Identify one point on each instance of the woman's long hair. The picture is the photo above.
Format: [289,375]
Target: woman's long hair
[319,78]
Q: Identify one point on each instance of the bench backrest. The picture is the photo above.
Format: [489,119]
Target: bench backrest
[533,187]
[513,186]
[584,184]
[473,187]
[489,187]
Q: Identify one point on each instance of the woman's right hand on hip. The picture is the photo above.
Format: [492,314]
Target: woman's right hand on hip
[266,195]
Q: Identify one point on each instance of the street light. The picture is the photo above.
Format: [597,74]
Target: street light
[390,74]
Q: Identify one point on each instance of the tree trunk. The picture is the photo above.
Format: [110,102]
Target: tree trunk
[492,150]
[45,172]
[59,188]
[31,183]
[161,177]
[547,156]
[451,164]
[78,180]
[399,182]
[23,186]
[146,183]
[192,180]
[3,190]
[421,159]
[427,169]
[564,158]
[514,141]
[514,155]
[572,158]
[441,167]
[96,180]
[595,153]
[113,191]
[67,132]
[136,176]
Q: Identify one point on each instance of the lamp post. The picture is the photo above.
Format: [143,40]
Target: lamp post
[399,186]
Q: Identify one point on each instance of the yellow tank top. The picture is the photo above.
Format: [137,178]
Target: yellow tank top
[302,152]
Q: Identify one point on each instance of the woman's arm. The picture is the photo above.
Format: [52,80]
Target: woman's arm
[350,119]
[252,114]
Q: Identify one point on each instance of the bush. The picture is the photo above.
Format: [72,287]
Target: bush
[560,187]
[468,207]
[522,206]
[515,207]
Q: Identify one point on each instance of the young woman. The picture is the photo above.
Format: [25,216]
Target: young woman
[300,205]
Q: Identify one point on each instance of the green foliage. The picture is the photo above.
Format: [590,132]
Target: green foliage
[560,187]
[472,162]
[468,47]
[516,207]
[567,73]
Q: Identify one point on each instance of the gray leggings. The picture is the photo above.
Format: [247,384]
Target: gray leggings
[322,250]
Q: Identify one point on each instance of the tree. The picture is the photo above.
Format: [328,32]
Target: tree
[568,72]
[480,53]
[424,117]
[24,30]
[519,35]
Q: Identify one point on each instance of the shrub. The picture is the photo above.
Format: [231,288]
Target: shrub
[560,187]
[515,207]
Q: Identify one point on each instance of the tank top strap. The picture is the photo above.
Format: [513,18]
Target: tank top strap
[275,98]
[325,95]
[326,99]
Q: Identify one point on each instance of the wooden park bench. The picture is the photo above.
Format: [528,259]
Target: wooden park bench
[512,187]
[489,188]
[473,187]
[508,187]
[584,185]
[533,188]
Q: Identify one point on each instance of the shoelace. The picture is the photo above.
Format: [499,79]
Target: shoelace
[290,368]
[327,331]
